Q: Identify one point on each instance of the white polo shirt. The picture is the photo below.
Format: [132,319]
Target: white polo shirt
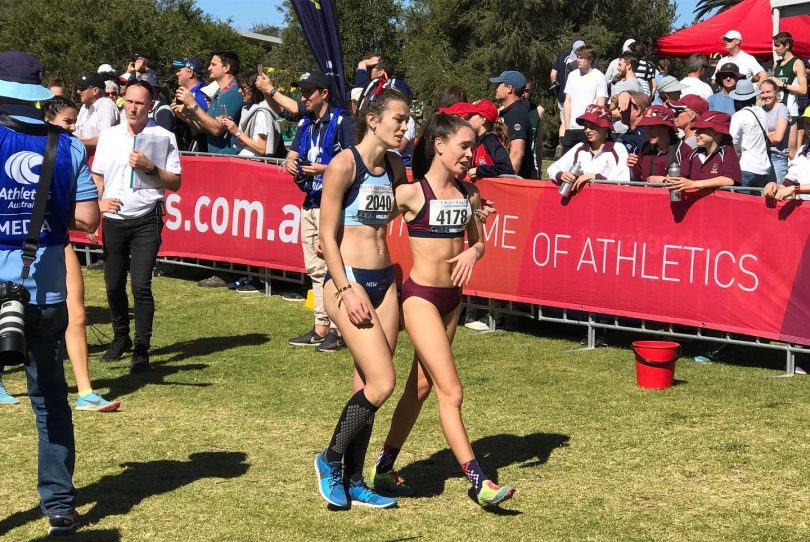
[697,87]
[749,138]
[584,90]
[133,188]
[747,64]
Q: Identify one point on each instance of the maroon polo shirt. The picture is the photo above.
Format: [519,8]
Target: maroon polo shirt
[653,161]
[722,163]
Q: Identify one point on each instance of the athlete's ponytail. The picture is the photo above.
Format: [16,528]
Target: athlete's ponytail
[441,125]
[374,105]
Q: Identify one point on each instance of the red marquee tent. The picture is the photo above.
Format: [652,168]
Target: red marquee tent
[752,18]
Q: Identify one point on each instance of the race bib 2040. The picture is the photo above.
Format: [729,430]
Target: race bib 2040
[374,202]
[449,215]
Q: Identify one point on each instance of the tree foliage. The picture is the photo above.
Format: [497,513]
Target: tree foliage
[463,42]
[366,26]
[704,7]
[72,37]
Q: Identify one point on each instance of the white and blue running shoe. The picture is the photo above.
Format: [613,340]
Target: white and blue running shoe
[330,481]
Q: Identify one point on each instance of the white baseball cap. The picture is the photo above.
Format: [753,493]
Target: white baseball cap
[627,44]
[105,68]
[733,35]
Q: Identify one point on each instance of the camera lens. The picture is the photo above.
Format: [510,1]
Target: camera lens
[12,333]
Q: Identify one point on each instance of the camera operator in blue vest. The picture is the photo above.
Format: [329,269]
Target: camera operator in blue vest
[322,133]
[33,311]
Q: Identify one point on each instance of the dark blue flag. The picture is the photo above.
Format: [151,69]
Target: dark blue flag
[318,20]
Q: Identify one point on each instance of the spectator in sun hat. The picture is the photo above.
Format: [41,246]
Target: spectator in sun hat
[749,136]
[714,163]
[696,66]
[597,157]
[661,148]
[73,202]
[687,111]
[669,89]
[98,112]
[728,75]
[515,115]
[747,64]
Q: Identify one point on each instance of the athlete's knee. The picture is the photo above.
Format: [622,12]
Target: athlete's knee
[423,389]
[451,396]
[378,390]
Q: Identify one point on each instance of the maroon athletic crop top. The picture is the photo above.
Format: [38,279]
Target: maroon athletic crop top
[442,218]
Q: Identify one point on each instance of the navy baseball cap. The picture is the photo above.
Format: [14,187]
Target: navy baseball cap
[313,79]
[140,54]
[150,77]
[21,77]
[92,79]
[191,63]
[510,77]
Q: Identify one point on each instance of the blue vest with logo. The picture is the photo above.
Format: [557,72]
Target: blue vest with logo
[20,162]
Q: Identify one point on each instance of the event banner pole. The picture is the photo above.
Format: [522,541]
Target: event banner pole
[318,20]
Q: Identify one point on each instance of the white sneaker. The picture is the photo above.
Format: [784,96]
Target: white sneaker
[478,325]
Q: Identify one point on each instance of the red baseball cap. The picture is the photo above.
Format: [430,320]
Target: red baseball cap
[658,115]
[597,114]
[486,109]
[690,101]
[714,120]
[460,109]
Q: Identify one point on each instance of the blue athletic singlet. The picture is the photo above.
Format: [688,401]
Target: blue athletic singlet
[370,199]
[21,158]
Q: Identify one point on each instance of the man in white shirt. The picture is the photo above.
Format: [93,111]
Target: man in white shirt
[696,66]
[585,86]
[135,162]
[613,68]
[98,111]
[748,65]
[747,131]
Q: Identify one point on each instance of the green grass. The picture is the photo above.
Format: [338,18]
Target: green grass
[217,442]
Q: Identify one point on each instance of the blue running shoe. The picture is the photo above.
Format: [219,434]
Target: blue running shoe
[361,495]
[330,481]
[5,397]
[96,403]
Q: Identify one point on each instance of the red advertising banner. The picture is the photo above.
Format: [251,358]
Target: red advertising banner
[716,260]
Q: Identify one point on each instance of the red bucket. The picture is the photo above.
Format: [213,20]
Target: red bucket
[655,363]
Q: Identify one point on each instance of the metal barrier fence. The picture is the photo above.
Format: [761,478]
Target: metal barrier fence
[591,321]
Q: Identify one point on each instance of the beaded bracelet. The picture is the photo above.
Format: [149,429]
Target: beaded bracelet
[341,290]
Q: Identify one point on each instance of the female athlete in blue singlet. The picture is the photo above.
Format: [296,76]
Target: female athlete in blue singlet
[359,290]
[438,209]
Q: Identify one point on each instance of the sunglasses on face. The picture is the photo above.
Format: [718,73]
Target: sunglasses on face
[307,92]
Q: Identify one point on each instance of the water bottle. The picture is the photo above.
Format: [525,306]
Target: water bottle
[565,188]
[674,170]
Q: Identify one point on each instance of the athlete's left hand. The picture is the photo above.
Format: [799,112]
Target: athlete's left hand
[487,208]
[138,160]
[462,272]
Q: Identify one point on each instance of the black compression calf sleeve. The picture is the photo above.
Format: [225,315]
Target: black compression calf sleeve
[357,412]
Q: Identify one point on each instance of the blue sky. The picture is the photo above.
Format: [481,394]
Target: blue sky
[246,13]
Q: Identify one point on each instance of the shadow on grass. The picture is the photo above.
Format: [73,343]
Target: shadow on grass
[428,476]
[118,494]
[102,535]
[125,384]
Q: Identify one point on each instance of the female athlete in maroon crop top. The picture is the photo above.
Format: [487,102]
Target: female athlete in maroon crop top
[439,210]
